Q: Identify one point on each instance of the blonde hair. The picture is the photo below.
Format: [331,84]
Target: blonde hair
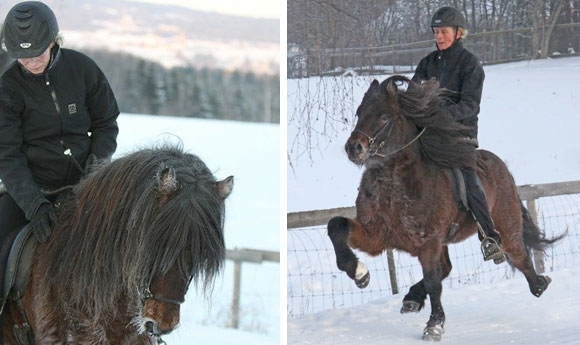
[59,39]
[462,31]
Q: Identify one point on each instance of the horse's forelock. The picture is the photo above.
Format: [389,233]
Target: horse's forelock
[187,230]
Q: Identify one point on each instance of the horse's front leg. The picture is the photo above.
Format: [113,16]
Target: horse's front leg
[414,300]
[433,274]
[339,233]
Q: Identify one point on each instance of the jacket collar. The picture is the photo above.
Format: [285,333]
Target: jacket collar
[454,50]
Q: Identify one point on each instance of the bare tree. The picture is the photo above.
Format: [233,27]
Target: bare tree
[545,15]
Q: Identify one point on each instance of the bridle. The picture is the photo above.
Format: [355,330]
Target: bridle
[146,294]
[374,148]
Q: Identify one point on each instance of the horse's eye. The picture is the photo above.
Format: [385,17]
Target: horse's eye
[384,117]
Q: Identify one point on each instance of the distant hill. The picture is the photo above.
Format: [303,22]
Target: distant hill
[171,35]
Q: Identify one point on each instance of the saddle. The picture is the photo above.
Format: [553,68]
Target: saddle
[460,194]
[16,257]
[17,252]
[459,189]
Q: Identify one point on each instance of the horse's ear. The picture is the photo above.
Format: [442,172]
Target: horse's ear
[224,187]
[167,180]
[392,88]
[375,87]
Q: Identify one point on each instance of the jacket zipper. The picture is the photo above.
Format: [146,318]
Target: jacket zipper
[67,151]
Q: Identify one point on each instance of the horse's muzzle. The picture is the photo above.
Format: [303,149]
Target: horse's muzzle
[154,329]
[357,149]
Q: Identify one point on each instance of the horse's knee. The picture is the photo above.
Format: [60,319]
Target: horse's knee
[346,260]
[338,229]
[432,284]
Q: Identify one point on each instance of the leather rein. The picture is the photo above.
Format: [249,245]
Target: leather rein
[374,148]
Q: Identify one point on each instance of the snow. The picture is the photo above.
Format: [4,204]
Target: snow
[499,313]
[530,117]
[250,152]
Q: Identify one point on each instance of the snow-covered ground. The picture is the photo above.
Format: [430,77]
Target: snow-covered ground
[530,117]
[251,153]
[485,314]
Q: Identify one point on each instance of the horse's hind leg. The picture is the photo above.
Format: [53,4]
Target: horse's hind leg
[515,246]
[346,260]
[414,300]
[520,258]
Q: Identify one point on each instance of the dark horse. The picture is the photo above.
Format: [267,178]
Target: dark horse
[128,242]
[406,202]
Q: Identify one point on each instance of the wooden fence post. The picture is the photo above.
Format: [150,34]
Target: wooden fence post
[538,255]
[235,309]
[392,272]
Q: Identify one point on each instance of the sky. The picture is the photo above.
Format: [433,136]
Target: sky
[248,8]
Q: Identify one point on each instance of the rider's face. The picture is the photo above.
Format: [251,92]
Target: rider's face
[445,36]
[37,64]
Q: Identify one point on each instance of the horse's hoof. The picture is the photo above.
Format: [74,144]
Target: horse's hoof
[411,307]
[541,285]
[363,282]
[433,333]
[362,276]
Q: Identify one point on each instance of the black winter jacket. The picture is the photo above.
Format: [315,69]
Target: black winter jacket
[50,123]
[458,70]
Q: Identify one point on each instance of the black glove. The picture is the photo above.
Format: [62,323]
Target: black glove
[42,222]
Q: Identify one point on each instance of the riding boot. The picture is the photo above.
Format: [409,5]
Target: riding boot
[489,237]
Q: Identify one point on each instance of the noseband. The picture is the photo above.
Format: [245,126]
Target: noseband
[374,148]
[148,295]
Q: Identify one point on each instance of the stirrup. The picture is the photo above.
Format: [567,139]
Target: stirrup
[491,250]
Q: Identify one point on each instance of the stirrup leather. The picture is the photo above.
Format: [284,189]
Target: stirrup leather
[491,250]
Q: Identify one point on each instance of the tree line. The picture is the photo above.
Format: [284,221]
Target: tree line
[146,87]
[319,29]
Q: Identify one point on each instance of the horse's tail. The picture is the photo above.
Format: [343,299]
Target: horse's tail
[534,237]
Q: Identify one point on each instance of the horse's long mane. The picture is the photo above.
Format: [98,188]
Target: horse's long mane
[445,141]
[131,220]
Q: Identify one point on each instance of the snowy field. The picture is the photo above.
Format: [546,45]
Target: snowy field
[530,117]
[251,153]
[486,314]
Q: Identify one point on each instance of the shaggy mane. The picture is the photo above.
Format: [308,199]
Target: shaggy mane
[445,141]
[121,228]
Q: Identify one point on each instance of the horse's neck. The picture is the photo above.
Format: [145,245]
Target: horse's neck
[399,176]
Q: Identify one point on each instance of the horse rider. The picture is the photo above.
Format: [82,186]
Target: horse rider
[58,116]
[458,70]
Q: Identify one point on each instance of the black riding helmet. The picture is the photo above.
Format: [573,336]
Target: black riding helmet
[448,16]
[29,29]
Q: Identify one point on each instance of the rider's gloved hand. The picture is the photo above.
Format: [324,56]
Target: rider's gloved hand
[42,222]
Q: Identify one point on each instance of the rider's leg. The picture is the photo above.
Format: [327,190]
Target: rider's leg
[489,237]
[11,217]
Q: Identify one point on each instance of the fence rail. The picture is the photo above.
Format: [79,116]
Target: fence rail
[315,284]
[239,256]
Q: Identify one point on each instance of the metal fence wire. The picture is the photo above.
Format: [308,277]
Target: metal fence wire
[315,283]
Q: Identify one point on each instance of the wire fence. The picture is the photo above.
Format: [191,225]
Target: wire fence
[315,283]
